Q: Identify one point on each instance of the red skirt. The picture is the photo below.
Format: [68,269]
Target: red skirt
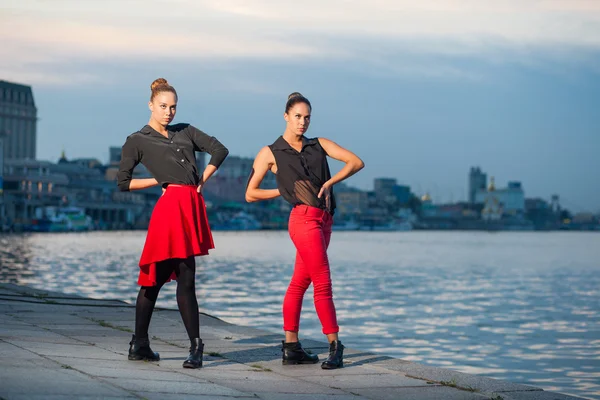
[178,229]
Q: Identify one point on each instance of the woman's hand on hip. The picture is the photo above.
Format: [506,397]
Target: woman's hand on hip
[325,190]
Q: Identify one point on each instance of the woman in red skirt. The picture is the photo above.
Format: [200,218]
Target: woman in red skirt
[304,180]
[178,229]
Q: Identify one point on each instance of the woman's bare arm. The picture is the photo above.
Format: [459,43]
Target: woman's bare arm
[337,152]
[143,183]
[263,162]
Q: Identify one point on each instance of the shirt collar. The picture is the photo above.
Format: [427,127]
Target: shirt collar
[148,130]
[282,144]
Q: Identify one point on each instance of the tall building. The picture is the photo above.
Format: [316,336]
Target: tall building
[477,182]
[18,120]
[387,191]
[384,189]
[114,155]
[402,193]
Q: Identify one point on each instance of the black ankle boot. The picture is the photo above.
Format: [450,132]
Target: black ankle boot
[293,353]
[194,360]
[139,349]
[336,356]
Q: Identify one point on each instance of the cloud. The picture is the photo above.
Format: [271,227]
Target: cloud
[388,34]
[521,21]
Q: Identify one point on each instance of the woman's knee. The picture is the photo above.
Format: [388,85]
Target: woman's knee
[150,292]
[186,284]
[299,284]
[322,289]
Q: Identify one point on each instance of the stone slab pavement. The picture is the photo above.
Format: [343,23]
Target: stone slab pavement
[55,346]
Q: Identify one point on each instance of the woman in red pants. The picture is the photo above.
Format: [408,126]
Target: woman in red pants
[178,229]
[304,180]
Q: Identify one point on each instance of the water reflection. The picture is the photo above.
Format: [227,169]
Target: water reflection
[516,306]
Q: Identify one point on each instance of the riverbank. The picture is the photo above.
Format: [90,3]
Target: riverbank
[69,347]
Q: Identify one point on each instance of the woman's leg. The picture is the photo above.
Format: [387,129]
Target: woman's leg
[327,228]
[146,299]
[292,302]
[187,301]
[188,308]
[292,351]
[312,248]
[336,348]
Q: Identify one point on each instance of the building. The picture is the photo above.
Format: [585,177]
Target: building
[229,183]
[29,184]
[540,213]
[388,192]
[350,201]
[18,120]
[509,201]
[477,182]
[384,189]
[492,204]
[114,155]
[40,190]
[92,187]
[402,194]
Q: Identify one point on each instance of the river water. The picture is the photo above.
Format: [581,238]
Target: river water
[523,307]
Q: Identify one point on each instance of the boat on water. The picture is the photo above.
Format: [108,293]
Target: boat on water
[60,219]
[240,221]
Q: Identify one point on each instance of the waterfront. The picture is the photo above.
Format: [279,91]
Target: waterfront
[516,306]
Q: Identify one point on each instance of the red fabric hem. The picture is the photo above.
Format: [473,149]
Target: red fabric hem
[178,229]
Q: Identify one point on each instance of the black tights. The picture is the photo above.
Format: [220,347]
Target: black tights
[185,269]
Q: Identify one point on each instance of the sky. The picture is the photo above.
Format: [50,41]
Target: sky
[420,90]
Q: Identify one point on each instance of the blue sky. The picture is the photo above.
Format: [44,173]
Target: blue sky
[420,91]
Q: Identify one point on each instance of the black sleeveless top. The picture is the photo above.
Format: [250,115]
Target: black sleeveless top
[300,175]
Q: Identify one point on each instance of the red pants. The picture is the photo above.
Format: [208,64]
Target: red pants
[310,230]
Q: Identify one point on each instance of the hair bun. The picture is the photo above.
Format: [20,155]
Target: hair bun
[294,95]
[159,82]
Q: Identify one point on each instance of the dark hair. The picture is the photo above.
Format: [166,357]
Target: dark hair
[294,99]
[161,85]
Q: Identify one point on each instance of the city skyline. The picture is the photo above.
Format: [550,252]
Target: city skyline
[421,92]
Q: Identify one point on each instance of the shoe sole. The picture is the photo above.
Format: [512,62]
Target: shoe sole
[190,366]
[332,366]
[294,362]
[130,358]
